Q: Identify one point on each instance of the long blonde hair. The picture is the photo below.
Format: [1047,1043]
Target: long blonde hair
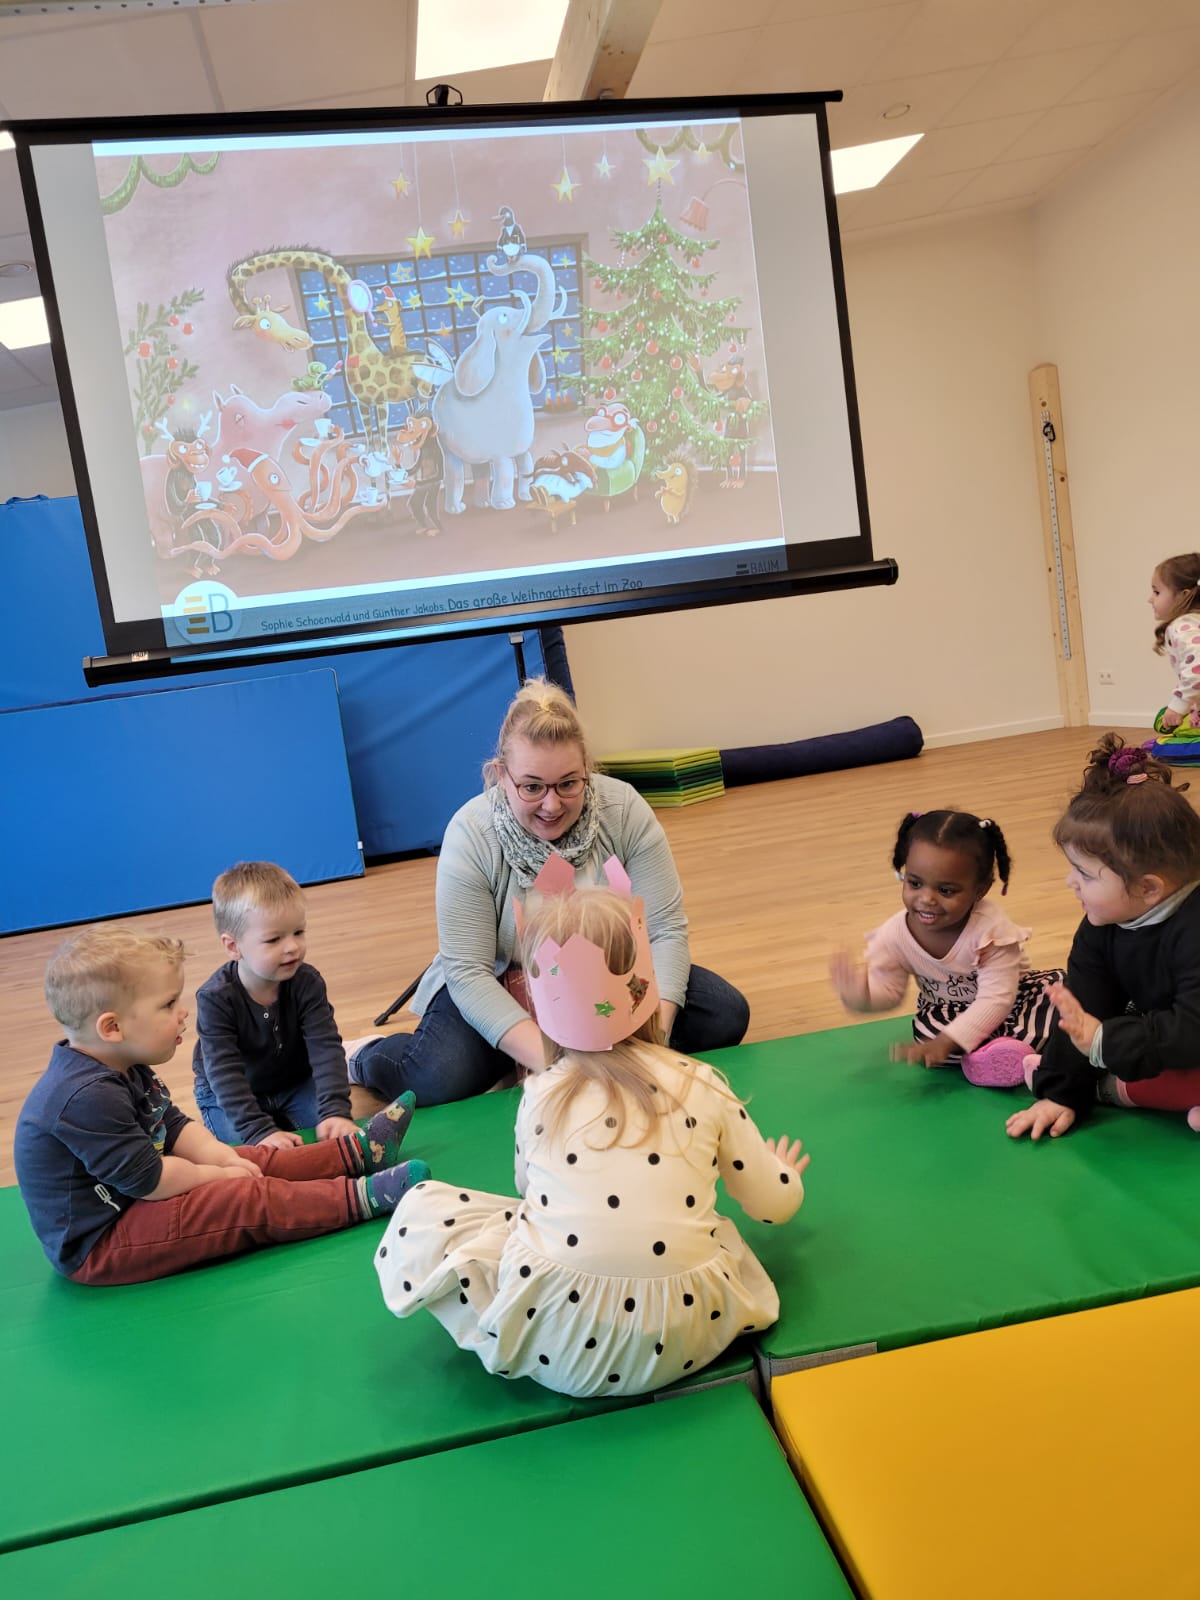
[628,1075]
[542,713]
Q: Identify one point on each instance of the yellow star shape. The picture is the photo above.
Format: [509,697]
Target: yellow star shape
[659,166]
[458,296]
[321,303]
[445,330]
[603,167]
[420,242]
[565,188]
[401,185]
[414,300]
[703,153]
[458,224]
[405,274]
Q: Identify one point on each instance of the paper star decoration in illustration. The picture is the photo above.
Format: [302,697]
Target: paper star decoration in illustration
[458,224]
[445,330]
[414,300]
[565,187]
[321,303]
[659,166]
[458,296]
[703,153]
[603,167]
[420,242]
[401,185]
[404,272]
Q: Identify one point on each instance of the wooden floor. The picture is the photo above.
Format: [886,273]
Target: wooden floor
[775,876]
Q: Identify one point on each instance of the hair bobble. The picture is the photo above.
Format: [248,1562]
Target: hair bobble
[985,822]
[1128,763]
[915,814]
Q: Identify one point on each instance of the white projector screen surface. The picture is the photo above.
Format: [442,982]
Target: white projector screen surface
[334,378]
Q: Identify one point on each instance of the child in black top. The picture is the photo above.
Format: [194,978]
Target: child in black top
[1129,1012]
[268,1057]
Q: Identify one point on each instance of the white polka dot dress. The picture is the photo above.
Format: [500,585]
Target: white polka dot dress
[614,1274]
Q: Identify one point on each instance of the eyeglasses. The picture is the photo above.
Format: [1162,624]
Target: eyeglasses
[568,788]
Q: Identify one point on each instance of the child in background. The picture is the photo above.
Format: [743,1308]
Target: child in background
[120,1186]
[979,1006]
[268,1057]
[615,1274]
[1129,1012]
[1175,602]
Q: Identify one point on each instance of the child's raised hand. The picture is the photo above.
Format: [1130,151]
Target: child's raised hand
[849,979]
[1072,1018]
[1045,1116]
[281,1139]
[337,1128]
[926,1052]
[788,1154]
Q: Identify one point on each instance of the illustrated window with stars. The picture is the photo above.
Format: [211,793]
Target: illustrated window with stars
[437,300]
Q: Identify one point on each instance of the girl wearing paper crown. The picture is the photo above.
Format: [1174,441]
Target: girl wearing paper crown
[612,1272]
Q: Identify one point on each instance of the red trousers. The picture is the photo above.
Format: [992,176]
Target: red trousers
[1176,1090]
[307,1191]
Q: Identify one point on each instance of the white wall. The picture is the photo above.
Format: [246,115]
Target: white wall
[942,323]
[1118,271]
[33,453]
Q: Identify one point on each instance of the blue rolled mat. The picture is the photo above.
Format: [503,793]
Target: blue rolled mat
[897,740]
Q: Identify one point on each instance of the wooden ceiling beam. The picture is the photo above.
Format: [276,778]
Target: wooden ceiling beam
[599,48]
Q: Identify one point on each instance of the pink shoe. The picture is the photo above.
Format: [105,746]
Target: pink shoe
[999,1064]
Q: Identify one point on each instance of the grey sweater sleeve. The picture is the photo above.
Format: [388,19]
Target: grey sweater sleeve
[639,843]
[474,918]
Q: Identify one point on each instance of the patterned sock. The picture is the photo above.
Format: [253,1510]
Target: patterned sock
[382,1135]
[380,1193]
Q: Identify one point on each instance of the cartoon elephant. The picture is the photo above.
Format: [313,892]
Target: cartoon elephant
[484,406]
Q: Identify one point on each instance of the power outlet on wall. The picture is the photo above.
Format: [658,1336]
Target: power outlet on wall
[1105,678]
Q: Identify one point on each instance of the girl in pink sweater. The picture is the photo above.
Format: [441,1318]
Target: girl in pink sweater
[979,1006]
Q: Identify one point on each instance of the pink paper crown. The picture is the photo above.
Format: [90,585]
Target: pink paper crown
[577,1001]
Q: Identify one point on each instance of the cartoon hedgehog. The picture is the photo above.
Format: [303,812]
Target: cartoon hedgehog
[677,475]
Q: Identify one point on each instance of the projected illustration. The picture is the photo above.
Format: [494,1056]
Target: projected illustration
[364,363]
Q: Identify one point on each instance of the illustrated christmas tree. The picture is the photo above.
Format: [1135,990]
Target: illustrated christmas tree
[160,371]
[640,347]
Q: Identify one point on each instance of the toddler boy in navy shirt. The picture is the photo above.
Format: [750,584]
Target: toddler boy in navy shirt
[120,1185]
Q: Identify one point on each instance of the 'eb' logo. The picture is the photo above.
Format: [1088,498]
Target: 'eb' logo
[203,611]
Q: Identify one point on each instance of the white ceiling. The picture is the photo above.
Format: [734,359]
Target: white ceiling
[1010,94]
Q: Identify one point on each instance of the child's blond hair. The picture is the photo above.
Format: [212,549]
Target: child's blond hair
[103,968]
[626,1074]
[1182,575]
[249,887]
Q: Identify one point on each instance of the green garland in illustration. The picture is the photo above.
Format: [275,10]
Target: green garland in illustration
[685,139]
[124,192]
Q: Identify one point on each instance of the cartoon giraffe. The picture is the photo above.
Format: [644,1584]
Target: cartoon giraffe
[376,378]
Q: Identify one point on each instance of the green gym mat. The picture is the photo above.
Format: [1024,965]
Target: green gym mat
[608,1506]
[255,1373]
[923,1219]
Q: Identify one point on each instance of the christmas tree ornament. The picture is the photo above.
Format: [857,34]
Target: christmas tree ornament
[659,167]
[400,185]
[565,187]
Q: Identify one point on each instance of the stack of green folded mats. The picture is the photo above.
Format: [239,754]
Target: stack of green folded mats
[669,777]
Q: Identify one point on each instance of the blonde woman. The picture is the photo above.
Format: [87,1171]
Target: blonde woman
[541,795]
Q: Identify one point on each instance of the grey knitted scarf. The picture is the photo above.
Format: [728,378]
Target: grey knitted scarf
[525,855]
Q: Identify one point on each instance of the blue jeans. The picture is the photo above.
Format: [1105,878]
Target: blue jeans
[445,1059]
[291,1109]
